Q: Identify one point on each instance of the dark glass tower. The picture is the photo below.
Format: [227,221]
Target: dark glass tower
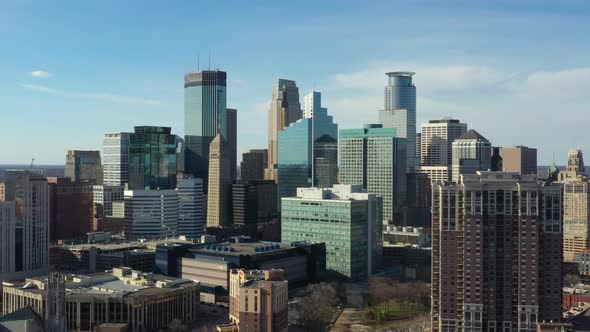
[152,158]
[205,115]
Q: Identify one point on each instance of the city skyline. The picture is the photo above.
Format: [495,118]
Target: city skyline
[467,67]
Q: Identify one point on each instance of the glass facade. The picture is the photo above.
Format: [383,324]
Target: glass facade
[152,159]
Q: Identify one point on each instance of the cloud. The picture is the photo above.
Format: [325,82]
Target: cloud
[107,97]
[40,74]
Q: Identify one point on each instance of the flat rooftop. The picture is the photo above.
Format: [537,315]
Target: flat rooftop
[242,248]
[123,245]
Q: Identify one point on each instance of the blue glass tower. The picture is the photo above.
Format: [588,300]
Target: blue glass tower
[152,158]
[305,143]
[205,115]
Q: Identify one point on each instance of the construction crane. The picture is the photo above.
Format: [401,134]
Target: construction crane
[32,162]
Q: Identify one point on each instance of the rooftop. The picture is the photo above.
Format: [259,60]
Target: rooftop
[123,245]
[241,248]
[472,134]
[400,73]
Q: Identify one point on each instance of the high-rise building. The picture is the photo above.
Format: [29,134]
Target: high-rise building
[30,192]
[103,199]
[152,158]
[471,153]
[219,194]
[84,166]
[71,208]
[257,301]
[8,246]
[205,115]
[576,218]
[375,158]
[232,141]
[302,146]
[575,166]
[400,111]
[520,159]
[115,159]
[437,138]
[253,164]
[347,219]
[151,214]
[2,192]
[284,110]
[496,258]
[254,202]
[191,219]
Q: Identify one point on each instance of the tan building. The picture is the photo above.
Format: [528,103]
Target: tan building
[258,300]
[575,166]
[519,159]
[219,194]
[2,192]
[146,302]
[576,219]
[435,173]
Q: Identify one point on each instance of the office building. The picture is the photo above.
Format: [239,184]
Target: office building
[496,253]
[575,166]
[219,194]
[375,158]
[348,220]
[232,141]
[205,115]
[284,110]
[258,301]
[152,158]
[84,166]
[400,111]
[254,202]
[71,208]
[520,159]
[301,147]
[2,192]
[471,153]
[191,218]
[436,141]
[29,191]
[150,214]
[253,164]
[576,218]
[8,246]
[115,159]
[103,199]
[407,251]
[145,302]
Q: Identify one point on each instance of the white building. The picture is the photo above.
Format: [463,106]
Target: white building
[151,213]
[436,141]
[115,159]
[191,219]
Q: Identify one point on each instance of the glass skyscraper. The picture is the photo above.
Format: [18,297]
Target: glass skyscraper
[375,158]
[302,145]
[152,158]
[205,115]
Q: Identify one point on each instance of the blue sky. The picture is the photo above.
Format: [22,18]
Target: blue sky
[516,71]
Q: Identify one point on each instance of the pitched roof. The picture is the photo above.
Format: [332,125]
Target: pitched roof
[21,320]
[472,134]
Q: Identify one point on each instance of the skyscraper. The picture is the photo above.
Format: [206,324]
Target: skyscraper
[232,141]
[150,214]
[84,166]
[7,239]
[152,158]
[254,202]
[376,159]
[71,208]
[400,111]
[436,140]
[347,219]
[115,159]
[325,146]
[496,258]
[575,165]
[219,194]
[471,153]
[576,218]
[301,145]
[191,219]
[284,110]
[253,164]
[519,159]
[204,115]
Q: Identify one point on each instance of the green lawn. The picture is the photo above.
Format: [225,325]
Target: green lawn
[386,312]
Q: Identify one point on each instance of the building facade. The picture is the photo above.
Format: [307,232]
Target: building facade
[115,159]
[191,216]
[232,141]
[284,110]
[219,194]
[471,153]
[84,166]
[400,111]
[71,208]
[152,158]
[436,141]
[8,247]
[520,159]
[348,220]
[150,214]
[496,258]
[103,199]
[375,158]
[575,166]
[254,202]
[205,115]
[576,219]
[253,164]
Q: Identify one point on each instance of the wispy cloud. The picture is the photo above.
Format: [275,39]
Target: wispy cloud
[40,74]
[93,95]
